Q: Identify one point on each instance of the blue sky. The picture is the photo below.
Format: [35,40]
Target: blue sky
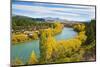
[62,11]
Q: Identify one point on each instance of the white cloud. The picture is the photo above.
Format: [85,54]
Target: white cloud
[87,11]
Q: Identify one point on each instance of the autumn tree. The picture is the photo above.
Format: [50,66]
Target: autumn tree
[32,59]
[47,44]
[17,61]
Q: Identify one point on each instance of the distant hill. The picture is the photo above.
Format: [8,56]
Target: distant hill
[28,18]
[44,19]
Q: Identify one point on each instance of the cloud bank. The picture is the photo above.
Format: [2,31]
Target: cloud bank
[62,11]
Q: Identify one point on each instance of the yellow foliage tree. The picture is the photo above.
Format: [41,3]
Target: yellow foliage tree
[19,38]
[17,62]
[81,36]
[47,45]
[35,35]
[32,59]
[50,46]
[57,27]
[79,27]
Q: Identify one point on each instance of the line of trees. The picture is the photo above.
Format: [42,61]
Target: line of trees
[22,37]
[72,50]
[53,51]
[20,23]
[90,43]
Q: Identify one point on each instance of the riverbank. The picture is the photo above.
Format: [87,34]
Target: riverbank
[63,50]
[68,50]
[26,48]
[34,35]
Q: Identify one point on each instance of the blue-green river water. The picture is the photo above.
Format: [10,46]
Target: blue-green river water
[24,50]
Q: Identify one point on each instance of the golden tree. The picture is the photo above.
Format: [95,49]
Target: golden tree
[32,59]
[47,45]
[17,62]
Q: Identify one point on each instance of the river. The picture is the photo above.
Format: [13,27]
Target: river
[24,50]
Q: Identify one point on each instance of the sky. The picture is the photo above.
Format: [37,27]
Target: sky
[62,11]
